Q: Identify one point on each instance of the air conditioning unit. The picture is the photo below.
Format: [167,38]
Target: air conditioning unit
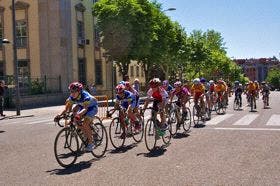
[81,42]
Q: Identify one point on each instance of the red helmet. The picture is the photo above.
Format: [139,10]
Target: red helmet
[120,88]
[154,82]
[75,86]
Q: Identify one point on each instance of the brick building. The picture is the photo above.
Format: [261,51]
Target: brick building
[257,69]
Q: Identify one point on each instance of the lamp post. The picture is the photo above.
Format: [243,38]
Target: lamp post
[15,59]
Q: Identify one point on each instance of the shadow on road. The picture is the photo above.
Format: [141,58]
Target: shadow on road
[181,135]
[199,126]
[158,151]
[123,149]
[73,169]
[2,131]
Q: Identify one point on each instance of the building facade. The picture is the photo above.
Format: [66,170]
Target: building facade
[54,38]
[257,69]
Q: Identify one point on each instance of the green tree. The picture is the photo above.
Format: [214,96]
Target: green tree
[273,78]
[125,27]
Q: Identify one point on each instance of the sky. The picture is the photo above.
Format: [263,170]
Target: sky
[250,28]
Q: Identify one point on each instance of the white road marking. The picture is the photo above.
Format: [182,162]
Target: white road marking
[274,120]
[246,120]
[248,129]
[218,119]
[39,121]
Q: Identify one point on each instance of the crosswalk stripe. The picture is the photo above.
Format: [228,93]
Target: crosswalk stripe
[39,121]
[246,120]
[274,120]
[218,119]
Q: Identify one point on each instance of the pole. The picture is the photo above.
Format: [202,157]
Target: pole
[15,59]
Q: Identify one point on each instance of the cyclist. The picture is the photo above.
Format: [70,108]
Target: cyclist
[220,90]
[265,91]
[182,94]
[160,99]
[136,109]
[86,107]
[251,91]
[197,91]
[238,90]
[127,101]
[167,87]
[212,93]
[207,92]
[257,88]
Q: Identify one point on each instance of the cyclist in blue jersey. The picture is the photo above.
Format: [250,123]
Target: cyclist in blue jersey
[167,87]
[86,107]
[127,101]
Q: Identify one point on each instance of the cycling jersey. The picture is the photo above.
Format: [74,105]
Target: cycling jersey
[212,88]
[128,97]
[220,88]
[181,93]
[251,87]
[159,95]
[85,99]
[198,88]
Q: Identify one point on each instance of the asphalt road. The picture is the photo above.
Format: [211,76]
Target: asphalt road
[238,148]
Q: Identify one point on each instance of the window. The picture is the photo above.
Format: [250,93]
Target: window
[96,38]
[82,70]
[1,32]
[21,34]
[137,71]
[98,73]
[23,72]
[131,71]
[81,32]
[1,69]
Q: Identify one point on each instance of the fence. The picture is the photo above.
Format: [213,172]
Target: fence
[102,106]
[33,85]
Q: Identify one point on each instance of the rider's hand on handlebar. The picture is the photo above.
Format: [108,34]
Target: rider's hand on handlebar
[57,118]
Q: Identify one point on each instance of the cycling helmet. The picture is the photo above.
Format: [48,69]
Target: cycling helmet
[165,83]
[236,82]
[250,82]
[121,82]
[211,82]
[196,81]
[155,82]
[75,86]
[136,80]
[220,81]
[177,84]
[255,81]
[202,80]
[120,88]
[263,82]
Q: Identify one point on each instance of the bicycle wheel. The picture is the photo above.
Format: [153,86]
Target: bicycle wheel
[187,120]
[100,140]
[66,147]
[115,133]
[235,104]
[172,122]
[138,133]
[196,116]
[150,135]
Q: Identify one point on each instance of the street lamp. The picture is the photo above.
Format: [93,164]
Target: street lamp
[15,59]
